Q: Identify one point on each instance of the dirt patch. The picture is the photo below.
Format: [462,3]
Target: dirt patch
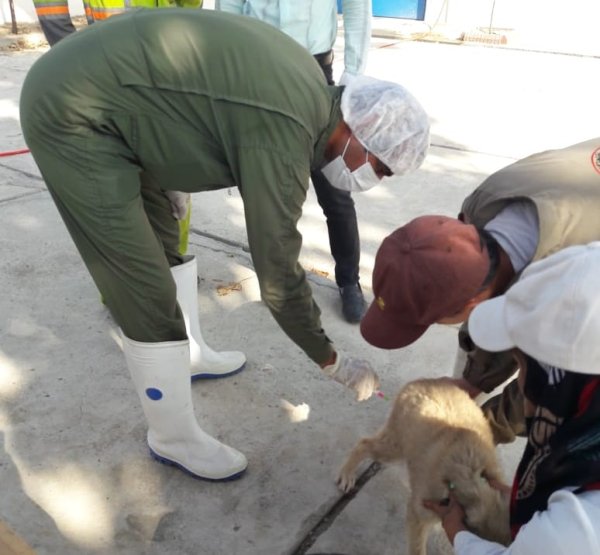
[29,36]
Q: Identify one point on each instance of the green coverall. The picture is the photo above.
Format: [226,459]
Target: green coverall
[56,24]
[201,100]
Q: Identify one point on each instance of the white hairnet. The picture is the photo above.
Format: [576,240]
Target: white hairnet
[388,121]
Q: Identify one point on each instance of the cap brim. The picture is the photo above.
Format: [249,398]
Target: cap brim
[385,333]
[487,326]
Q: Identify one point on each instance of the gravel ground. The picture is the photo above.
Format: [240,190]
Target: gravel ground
[29,36]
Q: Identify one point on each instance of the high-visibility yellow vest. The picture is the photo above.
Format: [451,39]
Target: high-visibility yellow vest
[101,9]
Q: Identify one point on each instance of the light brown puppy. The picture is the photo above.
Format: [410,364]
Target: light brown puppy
[447,444]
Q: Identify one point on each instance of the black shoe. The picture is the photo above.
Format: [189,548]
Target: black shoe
[353,303]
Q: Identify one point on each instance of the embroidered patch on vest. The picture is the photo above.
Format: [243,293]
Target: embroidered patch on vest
[596,159]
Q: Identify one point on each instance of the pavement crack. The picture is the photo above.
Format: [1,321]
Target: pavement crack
[467,150]
[23,172]
[220,239]
[312,275]
[22,195]
[329,517]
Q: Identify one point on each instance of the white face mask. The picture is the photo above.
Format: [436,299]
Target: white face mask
[339,175]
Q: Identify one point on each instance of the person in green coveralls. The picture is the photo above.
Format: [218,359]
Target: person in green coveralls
[112,128]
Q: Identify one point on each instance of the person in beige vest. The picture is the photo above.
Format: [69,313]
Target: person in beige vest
[436,269]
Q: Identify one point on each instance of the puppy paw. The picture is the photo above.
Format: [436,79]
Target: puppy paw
[346,480]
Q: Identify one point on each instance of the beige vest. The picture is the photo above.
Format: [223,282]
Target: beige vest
[563,184]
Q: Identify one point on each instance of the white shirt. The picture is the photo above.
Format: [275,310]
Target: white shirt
[569,526]
[313,23]
[516,228]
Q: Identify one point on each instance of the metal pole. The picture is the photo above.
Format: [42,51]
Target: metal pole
[492,17]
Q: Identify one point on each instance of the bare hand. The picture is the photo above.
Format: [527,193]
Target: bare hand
[450,513]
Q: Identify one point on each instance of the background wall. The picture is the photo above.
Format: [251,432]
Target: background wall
[552,25]
[543,24]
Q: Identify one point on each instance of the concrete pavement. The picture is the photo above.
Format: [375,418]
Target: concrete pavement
[76,476]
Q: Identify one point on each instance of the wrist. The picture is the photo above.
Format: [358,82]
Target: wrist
[332,365]
[331,360]
[452,527]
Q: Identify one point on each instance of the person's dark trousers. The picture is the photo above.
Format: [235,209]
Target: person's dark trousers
[325,60]
[338,207]
[344,242]
[56,28]
[55,19]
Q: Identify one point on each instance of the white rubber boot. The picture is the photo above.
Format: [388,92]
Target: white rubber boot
[204,362]
[160,372]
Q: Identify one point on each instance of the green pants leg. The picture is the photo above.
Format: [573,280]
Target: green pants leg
[152,195]
[123,228]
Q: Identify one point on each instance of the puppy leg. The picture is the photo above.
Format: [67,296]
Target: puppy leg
[347,476]
[417,528]
[383,447]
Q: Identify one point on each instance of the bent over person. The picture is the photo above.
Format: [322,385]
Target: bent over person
[437,269]
[112,128]
[314,25]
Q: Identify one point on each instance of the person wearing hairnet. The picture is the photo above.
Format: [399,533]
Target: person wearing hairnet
[550,322]
[112,128]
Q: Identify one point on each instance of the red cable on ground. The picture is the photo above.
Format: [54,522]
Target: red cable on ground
[14,152]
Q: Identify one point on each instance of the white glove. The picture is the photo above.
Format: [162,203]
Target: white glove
[355,374]
[180,203]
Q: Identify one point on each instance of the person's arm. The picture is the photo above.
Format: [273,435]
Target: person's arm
[571,524]
[357,36]
[467,543]
[450,513]
[273,185]
[231,6]
[452,517]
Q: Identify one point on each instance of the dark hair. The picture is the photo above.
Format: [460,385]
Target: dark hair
[487,241]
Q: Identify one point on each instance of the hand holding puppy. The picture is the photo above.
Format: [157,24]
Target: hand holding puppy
[450,513]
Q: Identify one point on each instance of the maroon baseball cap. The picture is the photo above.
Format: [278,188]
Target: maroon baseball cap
[424,271]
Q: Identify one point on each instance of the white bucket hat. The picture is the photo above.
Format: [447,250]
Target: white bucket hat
[552,313]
